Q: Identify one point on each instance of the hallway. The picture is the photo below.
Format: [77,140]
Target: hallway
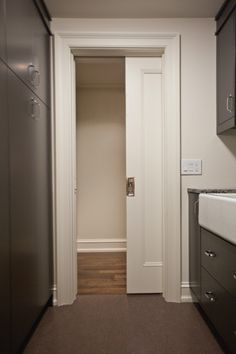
[121,324]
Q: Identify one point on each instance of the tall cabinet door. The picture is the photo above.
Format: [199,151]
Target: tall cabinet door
[30,207]
[2,30]
[226,75]
[4,218]
[28,46]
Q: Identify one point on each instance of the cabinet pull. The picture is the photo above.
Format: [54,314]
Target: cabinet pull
[234,276]
[230,104]
[34,75]
[210,296]
[35,109]
[209,253]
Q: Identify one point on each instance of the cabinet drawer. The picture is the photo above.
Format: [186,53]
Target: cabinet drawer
[219,258]
[220,308]
[28,46]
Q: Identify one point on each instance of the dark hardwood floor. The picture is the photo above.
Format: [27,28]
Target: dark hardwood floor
[102,273]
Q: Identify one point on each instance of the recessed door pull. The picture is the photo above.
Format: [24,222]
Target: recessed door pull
[130,191]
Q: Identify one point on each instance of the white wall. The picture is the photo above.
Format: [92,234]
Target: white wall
[198,102]
[101,177]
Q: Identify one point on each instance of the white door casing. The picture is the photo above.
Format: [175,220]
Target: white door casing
[64,118]
[144,156]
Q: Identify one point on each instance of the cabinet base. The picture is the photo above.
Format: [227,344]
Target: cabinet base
[217,336]
[26,341]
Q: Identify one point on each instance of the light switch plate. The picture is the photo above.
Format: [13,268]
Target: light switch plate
[191,167]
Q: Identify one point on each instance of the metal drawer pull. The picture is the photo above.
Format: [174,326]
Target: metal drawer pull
[230,104]
[35,109]
[234,276]
[209,253]
[210,296]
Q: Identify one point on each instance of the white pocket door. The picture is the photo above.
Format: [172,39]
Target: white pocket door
[144,163]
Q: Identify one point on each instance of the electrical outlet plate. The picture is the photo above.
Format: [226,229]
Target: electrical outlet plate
[191,167]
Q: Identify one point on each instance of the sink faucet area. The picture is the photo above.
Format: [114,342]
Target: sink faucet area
[217,213]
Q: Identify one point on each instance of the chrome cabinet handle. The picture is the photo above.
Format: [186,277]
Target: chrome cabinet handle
[209,253]
[230,103]
[34,75]
[210,296]
[35,108]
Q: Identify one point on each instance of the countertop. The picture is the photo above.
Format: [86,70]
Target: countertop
[208,190]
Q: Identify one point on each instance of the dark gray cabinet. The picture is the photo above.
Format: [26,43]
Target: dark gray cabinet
[4,217]
[219,306]
[194,246]
[218,285]
[226,50]
[30,207]
[28,46]
[212,274]
[25,173]
[2,30]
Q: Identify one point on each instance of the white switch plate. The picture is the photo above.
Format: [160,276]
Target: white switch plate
[191,167]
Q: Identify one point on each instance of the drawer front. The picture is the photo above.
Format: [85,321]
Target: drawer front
[220,308]
[28,46]
[219,258]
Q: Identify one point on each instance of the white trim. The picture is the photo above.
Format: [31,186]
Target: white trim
[65,239]
[186,295]
[101,245]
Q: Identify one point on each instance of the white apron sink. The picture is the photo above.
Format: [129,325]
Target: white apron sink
[217,213]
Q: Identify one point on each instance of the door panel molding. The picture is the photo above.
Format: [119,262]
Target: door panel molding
[65,238]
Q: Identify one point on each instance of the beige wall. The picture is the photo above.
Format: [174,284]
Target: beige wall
[101,150]
[198,102]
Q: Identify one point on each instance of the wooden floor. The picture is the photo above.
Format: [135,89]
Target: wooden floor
[102,273]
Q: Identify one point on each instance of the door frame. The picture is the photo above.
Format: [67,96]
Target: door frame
[65,270]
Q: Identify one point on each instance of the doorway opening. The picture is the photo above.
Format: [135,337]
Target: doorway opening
[119,133]
[101,175]
[68,45]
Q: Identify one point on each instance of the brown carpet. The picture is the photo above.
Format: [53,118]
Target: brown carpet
[120,324]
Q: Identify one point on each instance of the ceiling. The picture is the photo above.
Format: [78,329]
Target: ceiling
[133,8]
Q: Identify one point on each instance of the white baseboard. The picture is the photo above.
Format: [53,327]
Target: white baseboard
[101,245]
[186,295]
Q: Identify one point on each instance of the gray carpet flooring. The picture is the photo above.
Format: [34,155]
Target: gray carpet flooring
[121,324]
